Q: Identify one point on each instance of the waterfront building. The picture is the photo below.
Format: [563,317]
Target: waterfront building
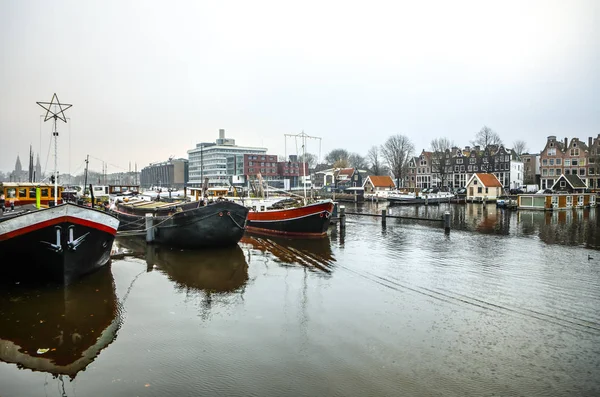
[219,161]
[172,173]
[531,169]
[454,167]
[570,158]
[483,187]
[374,184]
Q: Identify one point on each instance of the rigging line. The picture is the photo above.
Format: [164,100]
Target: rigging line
[114,165]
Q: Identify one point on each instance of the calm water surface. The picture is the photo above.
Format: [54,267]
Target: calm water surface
[507,304]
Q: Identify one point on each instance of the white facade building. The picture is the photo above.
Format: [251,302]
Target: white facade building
[210,160]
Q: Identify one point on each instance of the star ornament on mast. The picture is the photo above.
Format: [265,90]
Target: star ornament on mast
[56,111]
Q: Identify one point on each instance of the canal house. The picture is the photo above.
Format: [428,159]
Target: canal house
[483,187]
[378,185]
[569,192]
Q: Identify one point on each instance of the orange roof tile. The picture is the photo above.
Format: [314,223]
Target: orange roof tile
[489,180]
[381,181]
[346,171]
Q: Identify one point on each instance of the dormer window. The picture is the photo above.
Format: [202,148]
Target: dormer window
[551,144]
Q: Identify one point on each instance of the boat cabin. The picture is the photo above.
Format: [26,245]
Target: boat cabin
[123,190]
[22,193]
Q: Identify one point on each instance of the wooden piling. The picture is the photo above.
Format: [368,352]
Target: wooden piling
[342,216]
[447,221]
[383,215]
[149,228]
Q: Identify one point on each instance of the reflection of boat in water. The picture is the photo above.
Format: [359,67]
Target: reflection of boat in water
[311,253]
[58,330]
[215,270]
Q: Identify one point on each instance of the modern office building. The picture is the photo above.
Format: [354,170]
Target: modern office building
[222,162]
[172,174]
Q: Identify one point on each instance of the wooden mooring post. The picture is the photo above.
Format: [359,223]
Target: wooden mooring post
[342,216]
[383,216]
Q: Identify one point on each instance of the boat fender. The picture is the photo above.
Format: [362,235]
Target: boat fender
[220,214]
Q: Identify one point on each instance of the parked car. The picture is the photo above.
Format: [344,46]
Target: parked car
[461,190]
[516,191]
[544,191]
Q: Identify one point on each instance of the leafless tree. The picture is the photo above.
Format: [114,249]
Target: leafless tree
[520,147]
[357,161]
[308,158]
[341,163]
[397,151]
[336,155]
[485,137]
[441,158]
[375,160]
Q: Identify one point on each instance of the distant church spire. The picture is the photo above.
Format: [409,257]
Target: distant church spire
[38,169]
[18,167]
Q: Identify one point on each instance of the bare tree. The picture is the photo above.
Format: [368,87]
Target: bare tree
[357,161]
[397,151]
[485,137]
[375,160]
[341,163]
[308,158]
[336,155]
[441,158]
[520,147]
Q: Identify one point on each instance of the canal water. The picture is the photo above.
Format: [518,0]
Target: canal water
[506,304]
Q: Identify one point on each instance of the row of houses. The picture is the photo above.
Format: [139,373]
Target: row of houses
[223,162]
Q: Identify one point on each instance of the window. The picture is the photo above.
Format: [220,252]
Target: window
[44,192]
[551,172]
[582,171]
[486,190]
[31,192]
[479,189]
[558,161]
[472,160]
[544,162]
[545,172]
[558,171]
[574,161]
[551,151]
[474,181]
[22,192]
[551,162]
[575,152]
[567,171]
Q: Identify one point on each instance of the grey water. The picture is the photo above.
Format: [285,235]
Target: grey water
[506,304]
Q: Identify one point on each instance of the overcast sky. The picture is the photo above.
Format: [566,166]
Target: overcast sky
[150,79]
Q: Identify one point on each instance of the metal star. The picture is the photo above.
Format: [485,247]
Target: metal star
[54,114]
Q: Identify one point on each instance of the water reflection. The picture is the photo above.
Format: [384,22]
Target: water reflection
[314,254]
[576,227]
[59,330]
[570,227]
[210,270]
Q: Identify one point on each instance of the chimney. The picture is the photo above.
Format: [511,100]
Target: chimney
[589,142]
[566,143]
[221,133]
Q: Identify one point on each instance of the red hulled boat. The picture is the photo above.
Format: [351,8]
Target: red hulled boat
[311,220]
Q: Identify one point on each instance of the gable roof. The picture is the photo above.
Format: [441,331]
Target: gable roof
[487,180]
[573,180]
[346,171]
[381,181]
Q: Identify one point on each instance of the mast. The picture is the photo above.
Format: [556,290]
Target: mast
[303,136]
[56,115]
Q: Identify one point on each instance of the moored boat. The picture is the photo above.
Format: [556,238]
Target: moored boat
[185,224]
[57,244]
[310,220]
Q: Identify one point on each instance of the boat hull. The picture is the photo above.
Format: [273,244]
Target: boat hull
[56,245]
[190,225]
[308,221]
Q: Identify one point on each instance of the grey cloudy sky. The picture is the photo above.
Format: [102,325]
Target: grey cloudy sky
[150,79]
